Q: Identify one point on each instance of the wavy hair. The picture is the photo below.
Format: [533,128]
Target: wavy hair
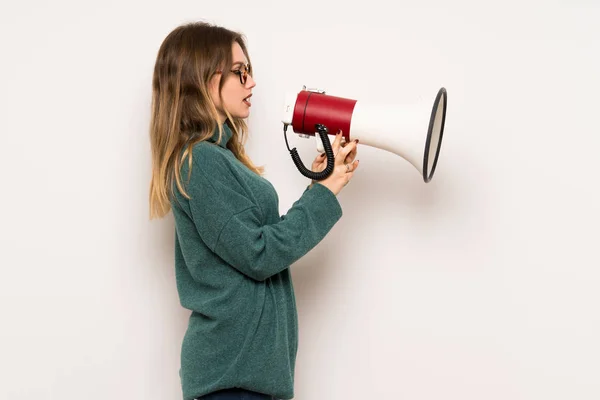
[182,111]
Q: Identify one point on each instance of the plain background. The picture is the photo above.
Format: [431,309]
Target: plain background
[482,284]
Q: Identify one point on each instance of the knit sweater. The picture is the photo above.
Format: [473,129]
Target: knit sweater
[233,251]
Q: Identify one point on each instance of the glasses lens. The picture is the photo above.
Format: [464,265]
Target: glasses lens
[245,73]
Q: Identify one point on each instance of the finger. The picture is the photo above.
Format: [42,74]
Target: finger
[344,142]
[337,142]
[343,153]
[319,160]
[352,155]
[349,175]
[351,167]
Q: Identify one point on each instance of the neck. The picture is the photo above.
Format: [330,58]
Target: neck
[222,117]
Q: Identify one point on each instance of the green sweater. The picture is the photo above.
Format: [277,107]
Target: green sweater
[233,251]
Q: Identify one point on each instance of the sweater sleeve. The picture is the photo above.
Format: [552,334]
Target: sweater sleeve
[231,224]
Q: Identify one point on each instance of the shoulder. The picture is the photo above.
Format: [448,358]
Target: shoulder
[209,152]
[214,179]
[206,157]
[209,162]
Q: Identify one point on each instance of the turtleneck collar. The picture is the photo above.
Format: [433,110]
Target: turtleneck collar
[227,134]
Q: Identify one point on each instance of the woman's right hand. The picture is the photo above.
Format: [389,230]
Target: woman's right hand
[344,165]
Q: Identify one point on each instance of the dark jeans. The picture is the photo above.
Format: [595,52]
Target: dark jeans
[236,394]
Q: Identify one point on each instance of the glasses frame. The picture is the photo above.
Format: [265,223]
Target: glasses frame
[243,74]
[247,70]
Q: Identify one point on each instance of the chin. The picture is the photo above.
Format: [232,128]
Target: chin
[242,115]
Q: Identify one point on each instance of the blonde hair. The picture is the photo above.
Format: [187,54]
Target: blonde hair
[182,112]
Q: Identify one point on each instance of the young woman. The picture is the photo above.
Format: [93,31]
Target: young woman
[232,248]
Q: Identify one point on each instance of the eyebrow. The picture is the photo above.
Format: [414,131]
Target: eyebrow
[238,63]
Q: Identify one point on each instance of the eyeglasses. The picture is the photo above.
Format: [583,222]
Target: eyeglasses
[243,72]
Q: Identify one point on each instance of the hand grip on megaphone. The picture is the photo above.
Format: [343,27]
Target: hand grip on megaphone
[320,147]
[315,176]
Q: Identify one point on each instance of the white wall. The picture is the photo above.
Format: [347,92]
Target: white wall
[482,284]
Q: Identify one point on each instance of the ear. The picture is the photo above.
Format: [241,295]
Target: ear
[213,84]
[213,88]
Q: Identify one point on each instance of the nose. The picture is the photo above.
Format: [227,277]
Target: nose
[250,82]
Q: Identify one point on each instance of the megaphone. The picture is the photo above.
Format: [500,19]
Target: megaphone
[412,131]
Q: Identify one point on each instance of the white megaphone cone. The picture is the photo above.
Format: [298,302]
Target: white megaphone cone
[414,132]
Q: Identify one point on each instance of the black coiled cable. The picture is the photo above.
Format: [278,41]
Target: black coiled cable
[315,176]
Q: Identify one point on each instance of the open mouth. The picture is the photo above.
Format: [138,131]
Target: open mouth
[247,101]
